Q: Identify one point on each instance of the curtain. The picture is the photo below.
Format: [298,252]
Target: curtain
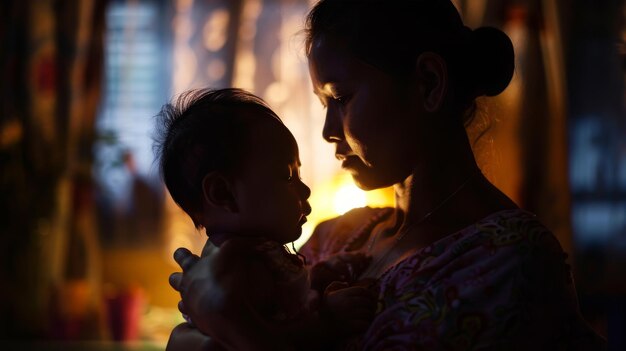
[51,60]
[560,136]
[525,151]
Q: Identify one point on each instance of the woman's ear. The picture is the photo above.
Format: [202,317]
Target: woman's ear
[217,192]
[433,80]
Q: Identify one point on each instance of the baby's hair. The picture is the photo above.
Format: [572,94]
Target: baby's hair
[201,131]
[390,35]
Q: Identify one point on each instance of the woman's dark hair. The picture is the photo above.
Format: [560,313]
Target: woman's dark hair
[202,131]
[390,35]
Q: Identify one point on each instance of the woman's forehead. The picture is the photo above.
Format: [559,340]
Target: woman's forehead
[333,65]
[329,60]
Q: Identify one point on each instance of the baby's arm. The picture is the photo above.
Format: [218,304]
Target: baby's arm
[344,267]
[340,313]
[345,308]
[348,309]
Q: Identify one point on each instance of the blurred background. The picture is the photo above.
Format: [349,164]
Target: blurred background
[88,230]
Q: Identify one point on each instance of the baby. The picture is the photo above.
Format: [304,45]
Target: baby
[230,163]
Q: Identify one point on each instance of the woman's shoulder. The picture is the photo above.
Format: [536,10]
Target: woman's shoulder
[516,220]
[332,235]
[503,268]
[507,246]
[537,249]
[516,234]
[516,228]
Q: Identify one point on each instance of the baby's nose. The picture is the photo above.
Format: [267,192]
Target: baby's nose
[305,190]
[306,208]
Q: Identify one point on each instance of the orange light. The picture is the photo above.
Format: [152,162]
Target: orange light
[337,197]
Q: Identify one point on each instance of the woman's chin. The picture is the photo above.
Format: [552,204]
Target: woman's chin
[363,182]
[370,177]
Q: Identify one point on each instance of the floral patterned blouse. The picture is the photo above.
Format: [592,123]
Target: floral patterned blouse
[499,284]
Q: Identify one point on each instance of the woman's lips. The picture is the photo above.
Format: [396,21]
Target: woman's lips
[343,151]
[350,162]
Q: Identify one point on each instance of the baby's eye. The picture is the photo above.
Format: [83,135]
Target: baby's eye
[342,99]
[297,172]
[294,173]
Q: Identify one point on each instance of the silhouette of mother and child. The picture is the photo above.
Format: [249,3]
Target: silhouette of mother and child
[455,265]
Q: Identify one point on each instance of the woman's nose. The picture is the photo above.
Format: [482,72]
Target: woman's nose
[333,128]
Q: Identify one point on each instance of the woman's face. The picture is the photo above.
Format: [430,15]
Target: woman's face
[372,119]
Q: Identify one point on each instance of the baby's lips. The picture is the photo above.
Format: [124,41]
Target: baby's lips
[306,209]
[302,220]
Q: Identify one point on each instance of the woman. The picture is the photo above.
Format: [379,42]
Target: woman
[456,264]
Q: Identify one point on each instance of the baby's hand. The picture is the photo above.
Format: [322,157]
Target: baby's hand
[345,267]
[350,309]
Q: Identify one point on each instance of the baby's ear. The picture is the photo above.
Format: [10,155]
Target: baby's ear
[217,192]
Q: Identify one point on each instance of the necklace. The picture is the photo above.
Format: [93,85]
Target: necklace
[408,228]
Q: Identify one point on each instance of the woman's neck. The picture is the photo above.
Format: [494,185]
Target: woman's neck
[426,192]
[442,185]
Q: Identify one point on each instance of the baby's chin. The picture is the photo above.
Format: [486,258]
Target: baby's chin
[289,237]
[281,237]
[218,239]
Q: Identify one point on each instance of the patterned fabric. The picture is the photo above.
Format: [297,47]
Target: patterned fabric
[501,283]
[272,279]
[290,280]
[50,64]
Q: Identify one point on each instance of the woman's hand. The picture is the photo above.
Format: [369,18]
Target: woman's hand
[213,290]
[187,338]
[185,260]
[204,298]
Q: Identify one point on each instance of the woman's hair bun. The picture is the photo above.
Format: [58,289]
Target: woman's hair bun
[494,60]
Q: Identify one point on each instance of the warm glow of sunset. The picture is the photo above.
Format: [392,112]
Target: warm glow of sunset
[347,197]
[338,196]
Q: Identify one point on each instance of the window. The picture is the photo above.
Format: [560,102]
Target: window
[136,83]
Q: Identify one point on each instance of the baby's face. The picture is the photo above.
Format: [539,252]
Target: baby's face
[272,199]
